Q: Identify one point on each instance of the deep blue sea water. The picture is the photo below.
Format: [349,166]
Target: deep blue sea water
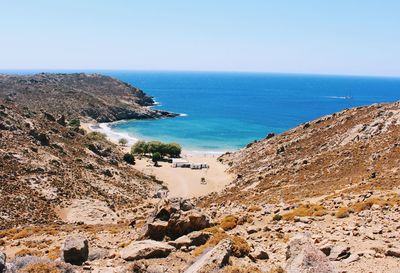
[225,111]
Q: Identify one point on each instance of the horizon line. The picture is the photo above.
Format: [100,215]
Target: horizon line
[85,70]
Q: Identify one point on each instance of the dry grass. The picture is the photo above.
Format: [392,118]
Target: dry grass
[40,268]
[254,208]
[240,247]
[367,204]
[342,212]
[30,252]
[240,269]
[213,241]
[278,269]
[229,222]
[54,253]
[304,211]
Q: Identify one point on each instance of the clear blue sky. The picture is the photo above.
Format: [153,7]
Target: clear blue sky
[292,36]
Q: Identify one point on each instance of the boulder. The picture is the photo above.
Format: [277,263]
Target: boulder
[185,222]
[75,249]
[304,257]
[2,261]
[174,218]
[195,238]
[97,254]
[156,230]
[212,260]
[145,250]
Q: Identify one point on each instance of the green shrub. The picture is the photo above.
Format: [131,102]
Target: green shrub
[164,149]
[75,122]
[277,217]
[156,157]
[129,158]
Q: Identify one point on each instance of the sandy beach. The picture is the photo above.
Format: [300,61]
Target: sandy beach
[183,182]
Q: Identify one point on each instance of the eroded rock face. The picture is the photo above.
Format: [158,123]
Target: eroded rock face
[303,257]
[145,250]
[75,249]
[174,218]
[212,260]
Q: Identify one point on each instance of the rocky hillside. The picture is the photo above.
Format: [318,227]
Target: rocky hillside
[94,96]
[355,150]
[46,163]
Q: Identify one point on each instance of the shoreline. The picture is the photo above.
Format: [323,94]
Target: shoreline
[114,136]
[181,182]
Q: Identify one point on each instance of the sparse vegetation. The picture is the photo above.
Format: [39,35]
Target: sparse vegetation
[254,208]
[304,211]
[129,158]
[367,204]
[123,141]
[96,136]
[41,267]
[278,269]
[342,212]
[75,122]
[277,217]
[229,222]
[240,247]
[30,252]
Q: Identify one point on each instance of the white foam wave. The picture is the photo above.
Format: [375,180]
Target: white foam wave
[339,97]
[183,115]
[111,134]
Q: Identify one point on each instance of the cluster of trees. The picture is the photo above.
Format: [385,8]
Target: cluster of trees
[157,148]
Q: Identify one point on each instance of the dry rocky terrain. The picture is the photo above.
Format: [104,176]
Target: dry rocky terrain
[322,197]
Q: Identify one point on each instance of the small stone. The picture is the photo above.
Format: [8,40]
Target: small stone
[253,229]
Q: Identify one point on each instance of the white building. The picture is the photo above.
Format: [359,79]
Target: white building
[180,162]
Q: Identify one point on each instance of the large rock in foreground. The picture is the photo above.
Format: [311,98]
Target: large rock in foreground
[174,218]
[212,260]
[75,249]
[145,250]
[304,257]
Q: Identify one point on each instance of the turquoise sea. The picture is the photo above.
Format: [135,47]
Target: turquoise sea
[225,111]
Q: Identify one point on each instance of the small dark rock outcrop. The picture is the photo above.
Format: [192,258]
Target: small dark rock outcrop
[75,249]
[2,261]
